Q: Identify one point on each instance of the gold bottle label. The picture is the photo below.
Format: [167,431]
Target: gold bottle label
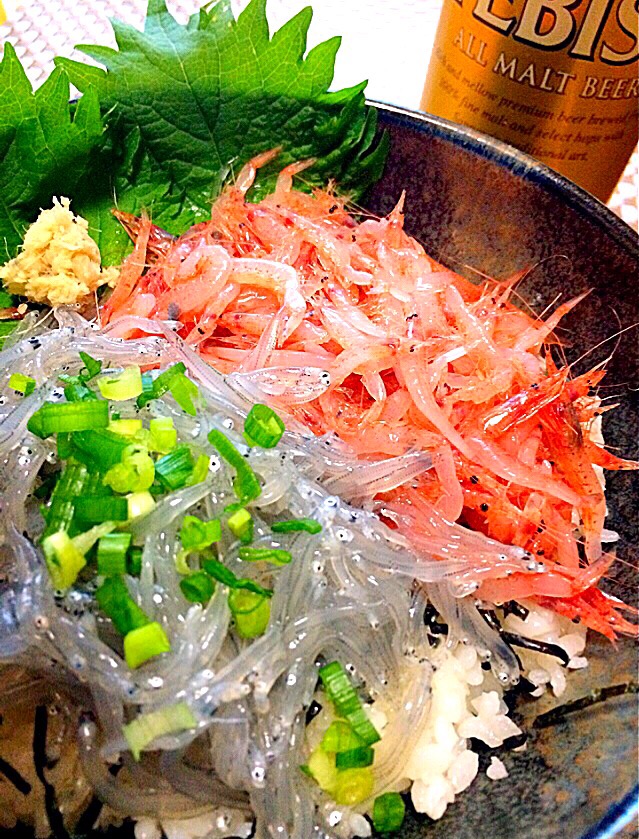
[556,78]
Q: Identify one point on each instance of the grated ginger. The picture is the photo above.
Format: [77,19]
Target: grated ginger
[59,263]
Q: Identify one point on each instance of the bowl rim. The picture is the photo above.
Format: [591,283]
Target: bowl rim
[620,812]
[520,164]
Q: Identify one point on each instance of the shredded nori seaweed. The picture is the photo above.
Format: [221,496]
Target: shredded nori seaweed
[511,607]
[597,695]
[14,777]
[536,646]
[40,761]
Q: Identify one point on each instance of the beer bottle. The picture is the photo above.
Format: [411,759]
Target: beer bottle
[556,78]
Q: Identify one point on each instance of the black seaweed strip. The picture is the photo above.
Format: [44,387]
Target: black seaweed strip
[40,726]
[14,777]
[536,646]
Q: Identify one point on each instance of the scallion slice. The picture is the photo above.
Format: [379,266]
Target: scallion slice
[263,427]
[115,601]
[355,758]
[353,786]
[388,812]
[140,504]
[321,767]
[297,525]
[66,492]
[79,392]
[185,392]
[251,612]
[276,556]
[145,643]
[54,417]
[122,386]
[148,727]
[224,575]
[200,471]
[154,388]
[240,523]
[246,484]
[134,561]
[174,469]
[63,559]
[198,587]
[346,701]
[135,473]
[163,435]
[99,508]
[112,553]
[340,737]
[22,384]
[125,427]
[195,534]
[98,449]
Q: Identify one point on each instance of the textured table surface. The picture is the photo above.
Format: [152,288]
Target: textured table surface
[387,41]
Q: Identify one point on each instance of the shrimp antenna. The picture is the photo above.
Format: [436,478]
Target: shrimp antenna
[605,341]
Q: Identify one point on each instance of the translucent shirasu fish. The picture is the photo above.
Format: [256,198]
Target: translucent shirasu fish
[356,592]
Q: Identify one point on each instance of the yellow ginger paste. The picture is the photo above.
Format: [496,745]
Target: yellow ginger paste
[59,263]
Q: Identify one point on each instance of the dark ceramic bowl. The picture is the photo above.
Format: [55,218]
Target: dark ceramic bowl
[479,205]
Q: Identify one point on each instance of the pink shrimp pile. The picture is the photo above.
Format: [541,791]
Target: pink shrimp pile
[419,359]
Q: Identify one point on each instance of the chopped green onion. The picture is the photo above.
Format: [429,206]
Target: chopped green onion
[135,473]
[321,767]
[22,384]
[91,365]
[115,601]
[134,561]
[353,786]
[69,487]
[276,556]
[125,427]
[240,524]
[346,701]
[263,427]
[163,435]
[63,559]
[100,508]
[195,534]
[340,737]
[198,587]
[200,471]
[146,728]
[246,485]
[184,391]
[225,576]
[355,758]
[79,392]
[388,812]
[250,611]
[296,525]
[154,388]
[112,551]
[54,417]
[174,469]
[124,385]
[91,369]
[140,504]
[98,449]
[144,643]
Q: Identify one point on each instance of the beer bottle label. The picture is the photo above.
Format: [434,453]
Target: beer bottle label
[556,78]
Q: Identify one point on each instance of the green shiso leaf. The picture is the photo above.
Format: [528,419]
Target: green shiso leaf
[187,105]
[47,146]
